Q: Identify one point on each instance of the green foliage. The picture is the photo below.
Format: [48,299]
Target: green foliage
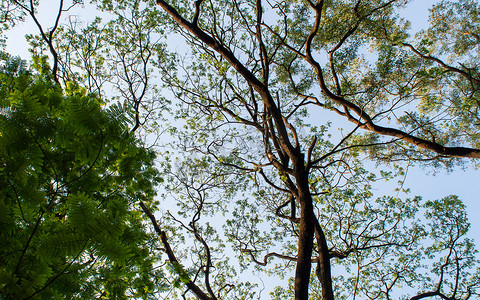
[70,177]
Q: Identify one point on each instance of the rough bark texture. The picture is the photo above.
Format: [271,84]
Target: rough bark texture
[308,227]
[323,270]
[306,232]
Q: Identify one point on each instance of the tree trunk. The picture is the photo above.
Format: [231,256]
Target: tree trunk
[305,247]
[308,225]
[323,271]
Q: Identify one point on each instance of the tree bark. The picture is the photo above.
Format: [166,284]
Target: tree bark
[305,247]
[323,271]
[308,227]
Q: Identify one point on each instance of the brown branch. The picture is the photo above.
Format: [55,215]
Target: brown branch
[367,122]
[429,294]
[443,64]
[323,269]
[369,125]
[252,80]
[270,254]
[171,255]
[292,218]
[197,12]
[263,49]
[47,38]
[198,236]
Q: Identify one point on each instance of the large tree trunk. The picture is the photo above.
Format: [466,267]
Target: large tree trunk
[323,270]
[308,225]
[305,247]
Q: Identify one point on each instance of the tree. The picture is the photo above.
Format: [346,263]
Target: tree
[266,74]
[258,91]
[70,178]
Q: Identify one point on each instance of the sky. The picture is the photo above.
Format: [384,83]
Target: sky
[430,184]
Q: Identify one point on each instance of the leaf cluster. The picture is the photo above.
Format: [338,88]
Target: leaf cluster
[70,176]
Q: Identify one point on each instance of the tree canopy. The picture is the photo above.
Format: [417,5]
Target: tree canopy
[241,101]
[70,176]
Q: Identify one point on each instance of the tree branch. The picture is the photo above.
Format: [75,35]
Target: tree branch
[171,255]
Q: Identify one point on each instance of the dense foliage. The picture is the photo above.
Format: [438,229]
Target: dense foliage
[70,176]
